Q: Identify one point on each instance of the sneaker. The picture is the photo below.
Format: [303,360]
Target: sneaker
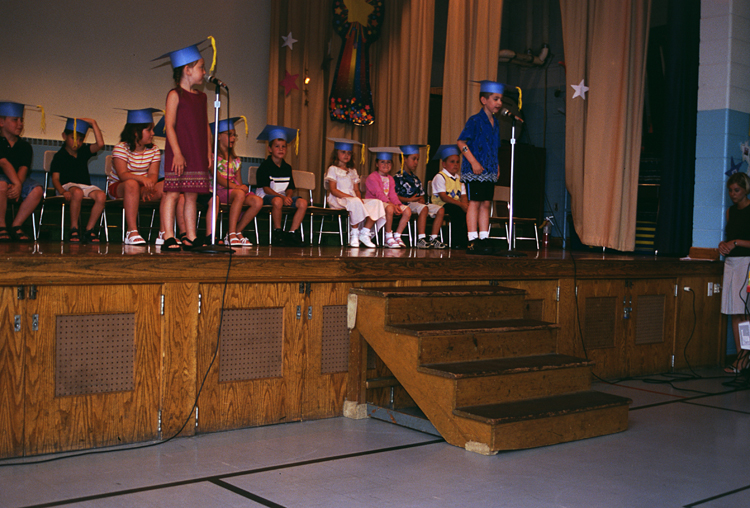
[366,241]
[293,239]
[424,243]
[437,244]
[392,243]
[354,240]
[160,238]
[400,242]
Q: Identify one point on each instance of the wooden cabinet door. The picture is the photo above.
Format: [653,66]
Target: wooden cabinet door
[92,366]
[651,327]
[11,373]
[257,375]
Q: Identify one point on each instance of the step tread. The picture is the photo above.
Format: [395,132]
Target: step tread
[436,291]
[503,366]
[479,326]
[558,405]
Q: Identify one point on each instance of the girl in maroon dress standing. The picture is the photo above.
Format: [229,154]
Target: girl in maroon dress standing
[187,154]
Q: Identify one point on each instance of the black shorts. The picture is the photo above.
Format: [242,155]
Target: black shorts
[480,191]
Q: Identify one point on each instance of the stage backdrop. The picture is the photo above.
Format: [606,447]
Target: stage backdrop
[89,57]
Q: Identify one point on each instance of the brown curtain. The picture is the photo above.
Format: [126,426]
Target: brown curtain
[401,62]
[304,109]
[471,52]
[605,45]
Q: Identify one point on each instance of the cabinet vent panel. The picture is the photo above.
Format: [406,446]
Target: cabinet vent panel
[251,342]
[649,321]
[334,355]
[599,323]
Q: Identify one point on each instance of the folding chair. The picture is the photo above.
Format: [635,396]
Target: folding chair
[502,194]
[305,180]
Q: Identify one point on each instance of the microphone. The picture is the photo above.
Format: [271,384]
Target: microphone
[216,81]
[508,113]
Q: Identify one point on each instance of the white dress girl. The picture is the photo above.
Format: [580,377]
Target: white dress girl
[347,180]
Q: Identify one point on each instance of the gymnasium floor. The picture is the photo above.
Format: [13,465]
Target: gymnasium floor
[687,445]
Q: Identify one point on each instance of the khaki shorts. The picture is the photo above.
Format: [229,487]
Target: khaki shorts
[87,189]
[417,208]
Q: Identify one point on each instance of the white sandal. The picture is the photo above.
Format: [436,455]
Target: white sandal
[244,241]
[232,240]
[133,238]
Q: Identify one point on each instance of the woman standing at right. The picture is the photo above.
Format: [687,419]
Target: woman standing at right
[736,249]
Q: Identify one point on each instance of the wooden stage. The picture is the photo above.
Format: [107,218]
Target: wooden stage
[109,344]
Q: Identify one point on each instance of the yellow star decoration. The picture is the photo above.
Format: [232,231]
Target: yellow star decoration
[359,11]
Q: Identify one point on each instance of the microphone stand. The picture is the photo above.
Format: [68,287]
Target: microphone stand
[511,253]
[213,248]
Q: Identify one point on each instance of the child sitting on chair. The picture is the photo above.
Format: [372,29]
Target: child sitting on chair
[449,192]
[70,176]
[380,185]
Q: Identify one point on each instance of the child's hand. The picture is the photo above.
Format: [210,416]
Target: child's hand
[244,188]
[287,201]
[178,164]
[421,200]
[476,168]
[14,191]
[67,194]
[148,185]
[210,162]
[464,206]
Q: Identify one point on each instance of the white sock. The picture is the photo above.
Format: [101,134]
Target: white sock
[389,235]
[473,235]
[483,235]
[432,237]
[364,231]
[419,237]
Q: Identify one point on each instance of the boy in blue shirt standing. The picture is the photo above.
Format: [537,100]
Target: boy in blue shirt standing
[479,143]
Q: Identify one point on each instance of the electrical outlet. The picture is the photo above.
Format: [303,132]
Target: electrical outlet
[744,328]
[710,289]
[717,288]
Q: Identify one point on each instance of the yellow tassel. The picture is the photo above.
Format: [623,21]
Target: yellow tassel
[75,130]
[402,164]
[246,128]
[520,100]
[296,144]
[362,157]
[428,155]
[44,118]
[213,46]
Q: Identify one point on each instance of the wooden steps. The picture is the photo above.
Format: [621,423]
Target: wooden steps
[486,378]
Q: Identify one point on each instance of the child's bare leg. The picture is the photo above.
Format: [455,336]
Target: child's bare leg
[405,216]
[100,199]
[3,203]
[76,197]
[236,199]
[438,222]
[483,220]
[254,204]
[130,192]
[472,215]
[167,213]
[191,214]
[422,221]
[276,204]
[180,214]
[389,218]
[299,214]
[209,217]
[28,206]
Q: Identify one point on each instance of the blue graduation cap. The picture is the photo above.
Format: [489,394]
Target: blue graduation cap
[445,151]
[410,149]
[228,124]
[384,153]
[13,109]
[76,125]
[344,144]
[271,132]
[145,115]
[160,129]
[182,56]
[490,86]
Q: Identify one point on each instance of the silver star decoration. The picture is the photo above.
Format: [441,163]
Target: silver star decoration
[580,89]
[289,41]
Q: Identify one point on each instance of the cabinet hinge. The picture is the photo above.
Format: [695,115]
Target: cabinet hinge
[200,301]
[557,294]
[161,305]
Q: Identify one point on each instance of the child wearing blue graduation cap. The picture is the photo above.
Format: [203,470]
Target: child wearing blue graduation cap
[188,151]
[479,143]
[135,169]
[70,176]
[410,191]
[380,185]
[342,182]
[276,185]
[230,189]
[449,192]
[15,162]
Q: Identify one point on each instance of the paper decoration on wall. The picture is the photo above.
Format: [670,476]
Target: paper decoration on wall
[745,147]
[733,168]
[289,83]
[289,41]
[580,89]
[358,22]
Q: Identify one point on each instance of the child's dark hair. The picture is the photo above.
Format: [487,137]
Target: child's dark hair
[131,133]
[335,159]
[271,141]
[485,95]
[231,155]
